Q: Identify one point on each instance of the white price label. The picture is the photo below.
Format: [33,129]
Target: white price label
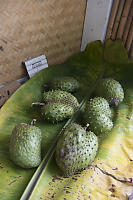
[35,65]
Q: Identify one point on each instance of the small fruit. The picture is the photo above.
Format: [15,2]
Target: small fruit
[111,90]
[99,115]
[76,149]
[25,145]
[57,111]
[65,83]
[98,105]
[59,105]
[99,123]
[62,97]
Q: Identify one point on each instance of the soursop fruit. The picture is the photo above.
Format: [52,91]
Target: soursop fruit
[61,96]
[57,111]
[98,105]
[65,83]
[76,149]
[111,90]
[59,105]
[25,145]
[98,115]
[99,123]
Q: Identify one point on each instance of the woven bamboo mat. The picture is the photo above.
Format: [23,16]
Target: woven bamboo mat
[30,28]
[121,23]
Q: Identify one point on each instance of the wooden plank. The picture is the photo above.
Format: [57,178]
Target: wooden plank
[112,18]
[124,18]
[117,19]
[131,53]
[128,24]
[129,38]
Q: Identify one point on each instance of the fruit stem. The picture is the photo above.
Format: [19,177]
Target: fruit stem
[33,122]
[85,128]
[114,102]
[38,103]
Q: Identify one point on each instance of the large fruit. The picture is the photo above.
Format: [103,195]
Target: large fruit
[98,105]
[65,83]
[25,145]
[76,149]
[111,90]
[61,96]
[57,111]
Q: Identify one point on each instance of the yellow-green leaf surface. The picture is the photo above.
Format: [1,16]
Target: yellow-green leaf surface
[115,151]
[13,179]
[110,175]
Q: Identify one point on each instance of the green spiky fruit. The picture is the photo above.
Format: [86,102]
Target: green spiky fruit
[76,149]
[99,123]
[65,83]
[99,115]
[61,96]
[25,145]
[111,90]
[98,105]
[57,111]
[59,105]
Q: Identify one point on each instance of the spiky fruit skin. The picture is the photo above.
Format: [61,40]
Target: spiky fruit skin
[61,96]
[99,123]
[25,145]
[57,111]
[76,149]
[98,115]
[65,83]
[111,90]
[60,105]
[98,104]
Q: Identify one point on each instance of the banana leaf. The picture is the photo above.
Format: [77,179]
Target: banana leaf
[113,164]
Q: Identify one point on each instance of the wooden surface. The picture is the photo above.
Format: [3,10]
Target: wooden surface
[30,28]
[7,91]
[120,25]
